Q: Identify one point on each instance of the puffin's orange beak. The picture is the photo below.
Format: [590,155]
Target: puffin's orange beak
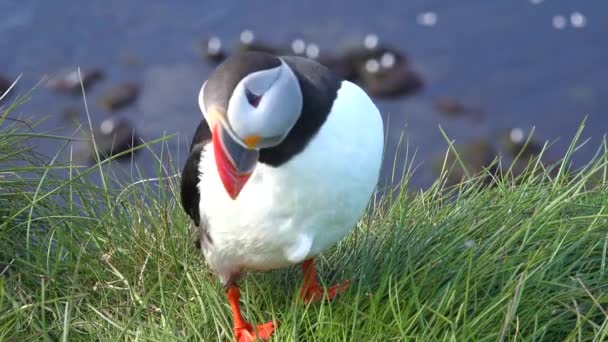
[235,163]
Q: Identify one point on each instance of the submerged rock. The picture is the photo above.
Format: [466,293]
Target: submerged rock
[213,50]
[68,82]
[450,106]
[524,157]
[476,156]
[119,96]
[71,115]
[112,136]
[371,48]
[4,85]
[385,77]
[453,107]
[514,142]
[379,68]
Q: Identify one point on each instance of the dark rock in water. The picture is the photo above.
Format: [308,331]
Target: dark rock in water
[71,115]
[112,136]
[476,157]
[359,56]
[389,77]
[379,68]
[531,165]
[119,96]
[69,82]
[371,48]
[452,107]
[514,142]
[4,85]
[248,42]
[449,106]
[525,158]
[213,50]
[520,167]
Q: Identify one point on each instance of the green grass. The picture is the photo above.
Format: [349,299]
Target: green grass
[523,259]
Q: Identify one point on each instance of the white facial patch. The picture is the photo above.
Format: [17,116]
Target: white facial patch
[276,112]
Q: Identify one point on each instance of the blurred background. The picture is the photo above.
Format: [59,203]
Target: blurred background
[487,72]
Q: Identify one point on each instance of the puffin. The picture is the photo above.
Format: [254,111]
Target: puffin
[281,168]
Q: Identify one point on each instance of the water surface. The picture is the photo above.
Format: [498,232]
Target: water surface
[505,57]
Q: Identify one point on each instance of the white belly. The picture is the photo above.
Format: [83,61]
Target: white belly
[287,214]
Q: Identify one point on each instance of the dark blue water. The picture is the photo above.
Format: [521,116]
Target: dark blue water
[504,57]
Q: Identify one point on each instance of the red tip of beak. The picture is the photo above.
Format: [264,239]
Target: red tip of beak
[231,177]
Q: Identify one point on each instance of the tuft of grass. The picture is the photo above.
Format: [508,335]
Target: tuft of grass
[524,258]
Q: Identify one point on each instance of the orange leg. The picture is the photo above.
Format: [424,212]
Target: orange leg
[311,291]
[243,330]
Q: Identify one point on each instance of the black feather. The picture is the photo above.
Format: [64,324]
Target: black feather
[190,196]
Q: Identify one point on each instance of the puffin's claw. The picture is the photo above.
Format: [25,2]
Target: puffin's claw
[247,333]
[315,294]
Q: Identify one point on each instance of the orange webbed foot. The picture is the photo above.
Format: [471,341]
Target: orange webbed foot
[316,293]
[247,333]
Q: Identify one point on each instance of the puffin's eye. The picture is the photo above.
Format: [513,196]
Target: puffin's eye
[253,99]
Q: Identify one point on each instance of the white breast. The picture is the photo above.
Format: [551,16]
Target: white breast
[287,214]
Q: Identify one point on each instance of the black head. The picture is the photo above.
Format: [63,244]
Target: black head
[255,96]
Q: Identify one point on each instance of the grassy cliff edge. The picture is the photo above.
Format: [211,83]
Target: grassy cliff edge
[522,259]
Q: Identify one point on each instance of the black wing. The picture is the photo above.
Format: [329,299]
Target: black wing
[190,196]
[202,135]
